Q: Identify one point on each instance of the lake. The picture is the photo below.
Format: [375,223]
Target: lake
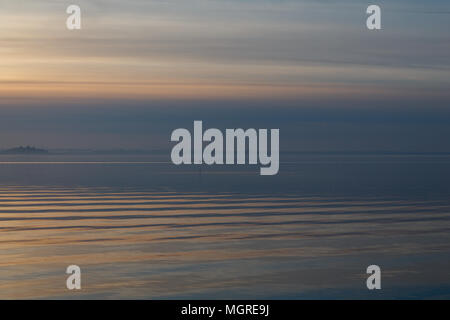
[140,227]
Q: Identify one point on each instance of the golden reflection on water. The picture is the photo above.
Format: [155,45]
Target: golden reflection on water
[157,244]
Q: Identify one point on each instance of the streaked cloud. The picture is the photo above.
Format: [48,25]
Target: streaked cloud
[219,49]
[138,69]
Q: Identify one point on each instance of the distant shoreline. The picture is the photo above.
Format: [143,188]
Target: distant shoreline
[24,150]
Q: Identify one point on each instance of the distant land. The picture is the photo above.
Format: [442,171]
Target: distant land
[24,150]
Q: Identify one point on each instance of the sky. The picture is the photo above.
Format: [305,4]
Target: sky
[139,69]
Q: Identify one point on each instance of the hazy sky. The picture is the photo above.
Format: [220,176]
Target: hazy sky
[139,69]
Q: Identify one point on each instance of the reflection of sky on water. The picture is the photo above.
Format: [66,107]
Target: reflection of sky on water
[153,236]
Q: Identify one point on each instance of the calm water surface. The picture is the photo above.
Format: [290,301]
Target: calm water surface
[142,228]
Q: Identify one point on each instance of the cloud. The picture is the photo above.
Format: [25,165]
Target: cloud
[138,69]
[283,44]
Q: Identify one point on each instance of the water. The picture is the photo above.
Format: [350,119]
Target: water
[142,228]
